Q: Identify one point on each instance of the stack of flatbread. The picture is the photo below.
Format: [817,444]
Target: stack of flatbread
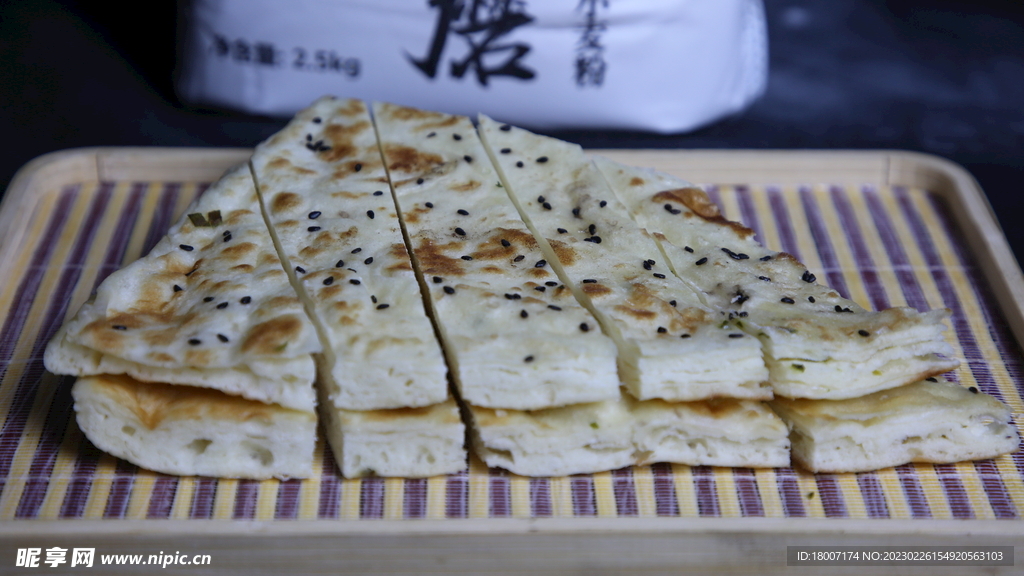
[408,272]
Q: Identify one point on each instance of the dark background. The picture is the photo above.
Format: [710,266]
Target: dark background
[944,77]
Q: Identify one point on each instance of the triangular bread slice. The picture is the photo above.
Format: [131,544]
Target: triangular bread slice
[194,431]
[816,343]
[209,306]
[670,345]
[512,333]
[329,206]
[606,435]
[924,421]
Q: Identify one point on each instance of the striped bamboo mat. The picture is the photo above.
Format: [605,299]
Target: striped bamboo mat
[881,247]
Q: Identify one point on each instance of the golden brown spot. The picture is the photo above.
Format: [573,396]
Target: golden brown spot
[349,195]
[160,357]
[687,319]
[245,268]
[640,313]
[302,171]
[273,336]
[439,412]
[596,289]
[434,261]
[352,107]
[310,252]
[471,185]
[492,269]
[636,181]
[406,113]
[446,122]
[238,251]
[341,139]
[346,320]
[700,204]
[237,216]
[410,160]
[278,302]
[279,163]
[153,402]
[566,254]
[285,201]
[195,357]
[539,272]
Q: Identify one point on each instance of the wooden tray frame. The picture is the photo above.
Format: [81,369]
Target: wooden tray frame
[535,546]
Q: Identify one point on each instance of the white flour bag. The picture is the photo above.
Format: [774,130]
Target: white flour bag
[659,65]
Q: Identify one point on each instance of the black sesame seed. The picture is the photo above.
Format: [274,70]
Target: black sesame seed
[553,307]
[603,203]
[438,279]
[227,237]
[246,299]
[378,193]
[373,298]
[594,239]
[208,299]
[314,215]
[810,299]
[329,280]
[647,264]
[512,296]
[584,327]
[316,120]
[864,333]
[546,205]
[662,330]
[518,258]
[429,204]
[467,158]
[357,167]
[519,164]
[528,359]
[672,303]
[551,283]
[542,159]
[370,214]
[671,210]
[702,261]
[186,247]
[931,379]
[524,314]
[456,136]
[765,258]
[734,255]
[787,300]
[309,137]
[222,305]
[576,211]
[765,278]
[839,308]
[368,260]
[589,281]
[460,231]
[467,257]
[506,150]
[300,269]
[195,341]
[178,288]
[357,250]
[449,290]
[688,249]
[354,282]
[313,229]
[505,243]
[539,288]
[592,229]
[562,231]
[808,277]
[339,264]
[973,390]
[505,128]
[684,335]
[382,306]
[463,212]
[222,338]
[735,335]
[119,327]
[419,180]
[432,134]
[742,314]
[657,275]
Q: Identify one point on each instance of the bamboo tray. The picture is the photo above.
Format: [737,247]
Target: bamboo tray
[885,228]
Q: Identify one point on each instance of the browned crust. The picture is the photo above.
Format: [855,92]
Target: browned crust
[700,204]
[410,160]
[272,337]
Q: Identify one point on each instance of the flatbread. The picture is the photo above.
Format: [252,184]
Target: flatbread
[405,442]
[670,345]
[329,205]
[816,343]
[209,306]
[921,422]
[606,435]
[511,331]
[194,431]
